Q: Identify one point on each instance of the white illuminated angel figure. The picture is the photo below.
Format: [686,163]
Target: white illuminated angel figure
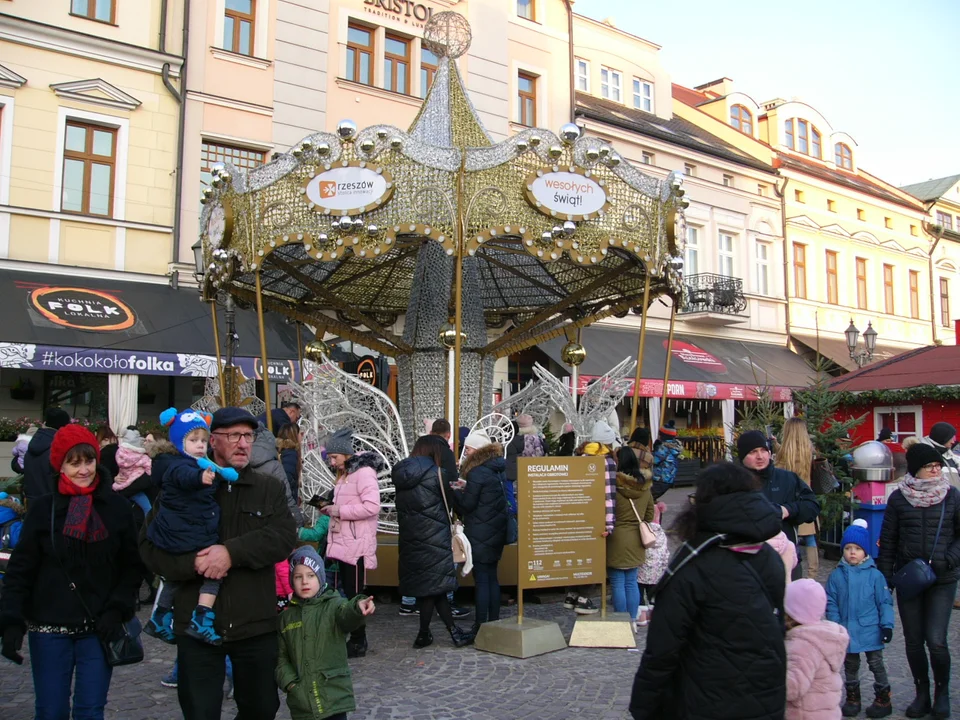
[531,400]
[331,399]
[495,426]
[210,402]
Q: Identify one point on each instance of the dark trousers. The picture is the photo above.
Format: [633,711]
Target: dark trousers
[54,660]
[428,604]
[201,670]
[851,667]
[353,579]
[487,592]
[646,594]
[925,619]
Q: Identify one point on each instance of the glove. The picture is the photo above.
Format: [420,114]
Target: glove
[12,642]
[886,634]
[110,626]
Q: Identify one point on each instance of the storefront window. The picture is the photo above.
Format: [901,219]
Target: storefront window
[82,395]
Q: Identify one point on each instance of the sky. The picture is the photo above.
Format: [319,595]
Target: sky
[884,71]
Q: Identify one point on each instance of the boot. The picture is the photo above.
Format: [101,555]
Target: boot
[812,553]
[941,701]
[851,708]
[424,638]
[461,638]
[357,647]
[881,704]
[920,707]
[201,626]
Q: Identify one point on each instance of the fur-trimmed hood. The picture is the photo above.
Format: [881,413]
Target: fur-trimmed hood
[10,504]
[162,446]
[532,430]
[493,451]
[365,459]
[631,487]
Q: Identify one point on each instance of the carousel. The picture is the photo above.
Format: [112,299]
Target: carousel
[444,250]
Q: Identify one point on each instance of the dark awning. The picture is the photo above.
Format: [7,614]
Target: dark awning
[836,351]
[702,367]
[65,323]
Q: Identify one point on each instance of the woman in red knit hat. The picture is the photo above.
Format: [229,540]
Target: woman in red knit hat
[84,530]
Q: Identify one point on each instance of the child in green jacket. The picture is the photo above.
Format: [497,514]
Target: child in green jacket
[312,668]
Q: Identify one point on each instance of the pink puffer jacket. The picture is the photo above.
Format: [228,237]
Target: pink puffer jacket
[281,572]
[132,464]
[353,535]
[815,655]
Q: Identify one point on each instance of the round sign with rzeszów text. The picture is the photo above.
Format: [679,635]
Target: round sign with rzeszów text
[353,188]
[567,195]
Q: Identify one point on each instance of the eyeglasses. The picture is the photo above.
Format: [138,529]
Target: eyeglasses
[235,437]
[932,467]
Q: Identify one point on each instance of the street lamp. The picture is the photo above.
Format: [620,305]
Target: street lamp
[199,268]
[861,357]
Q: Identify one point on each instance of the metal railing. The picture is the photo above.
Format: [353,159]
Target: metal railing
[709,292]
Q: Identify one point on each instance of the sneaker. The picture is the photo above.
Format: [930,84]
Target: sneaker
[160,626]
[459,612]
[201,626]
[409,609]
[585,606]
[570,601]
[170,680]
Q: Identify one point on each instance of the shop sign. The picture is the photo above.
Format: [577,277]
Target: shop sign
[689,390]
[353,188]
[572,195]
[82,308]
[692,355]
[367,371]
[408,10]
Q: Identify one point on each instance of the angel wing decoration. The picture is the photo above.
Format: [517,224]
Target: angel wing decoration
[531,400]
[497,427]
[331,399]
[210,402]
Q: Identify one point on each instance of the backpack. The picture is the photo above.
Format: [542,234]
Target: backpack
[532,446]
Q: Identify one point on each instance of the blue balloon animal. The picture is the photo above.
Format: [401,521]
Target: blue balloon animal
[228,473]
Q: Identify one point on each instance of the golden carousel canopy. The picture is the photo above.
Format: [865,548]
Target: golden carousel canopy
[350,228]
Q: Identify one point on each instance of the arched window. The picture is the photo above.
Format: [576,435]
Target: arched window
[807,139]
[843,156]
[741,119]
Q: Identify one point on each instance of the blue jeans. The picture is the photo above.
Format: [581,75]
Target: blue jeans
[55,659]
[625,591]
[487,592]
[410,601]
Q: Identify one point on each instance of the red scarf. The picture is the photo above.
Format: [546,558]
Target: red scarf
[82,521]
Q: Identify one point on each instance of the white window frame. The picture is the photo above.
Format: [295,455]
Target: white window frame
[916,410]
[729,181]
[647,158]
[533,10]
[584,76]
[724,256]
[260,27]
[692,250]
[122,126]
[763,266]
[642,94]
[690,170]
[614,81]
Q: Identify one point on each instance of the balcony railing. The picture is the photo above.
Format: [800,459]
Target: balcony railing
[708,292]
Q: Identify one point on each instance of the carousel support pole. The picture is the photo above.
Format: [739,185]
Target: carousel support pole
[216,343]
[640,347]
[300,350]
[666,372]
[458,325]
[450,385]
[263,351]
[575,378]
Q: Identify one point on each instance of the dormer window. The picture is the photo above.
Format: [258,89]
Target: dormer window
[843,156]
[806,140]
[741,119]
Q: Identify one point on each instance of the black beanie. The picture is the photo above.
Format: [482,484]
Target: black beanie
[56,418]
[885,434]
[750,441]
[921,454]
[942,433]
[641,435]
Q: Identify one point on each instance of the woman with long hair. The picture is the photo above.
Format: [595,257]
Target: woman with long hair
[796,454]
[288,445]
[425,562]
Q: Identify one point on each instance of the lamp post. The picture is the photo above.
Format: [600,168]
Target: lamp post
[861,357]
[448,338]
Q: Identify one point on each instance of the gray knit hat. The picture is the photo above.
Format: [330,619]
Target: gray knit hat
[341,442]
[306,555]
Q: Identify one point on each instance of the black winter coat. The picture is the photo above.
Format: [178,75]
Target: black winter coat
[908,532]
[108,458]
[782,487]
[482,503]
[715,648]
[38,479]
[290,459]
[426,559]
[107,573]
[189,515]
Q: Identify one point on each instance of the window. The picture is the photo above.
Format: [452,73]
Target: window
[861,283]
[691,257]
[725,252]
[888,289]
[842,156]
[689,170]
[788,134]
[396,64]
[913,230]
[762,190]
[798,195]
[944,302]
[914,294]
[643,95]
[888,223]
[428,68]
[945,221]
[610,84]
[763,268]
[89,156]
[526,99]
[238,26]
[901,421]
[861,214]
[525,9]
[359,54]
[800,270]
[806,140]
[647,158]
[833,294]
[741,119]
[728,181]
[101,10]
[213,153]
[583,75]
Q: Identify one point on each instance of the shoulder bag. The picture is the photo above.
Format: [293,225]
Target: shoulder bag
[647,537]
[456,545]
[917,575]
[126,650]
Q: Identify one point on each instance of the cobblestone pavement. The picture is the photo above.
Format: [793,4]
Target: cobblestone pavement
[397,682]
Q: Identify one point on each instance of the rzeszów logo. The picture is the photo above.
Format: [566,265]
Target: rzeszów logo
[348,189]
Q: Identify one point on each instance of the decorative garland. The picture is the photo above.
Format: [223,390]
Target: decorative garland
[902,396]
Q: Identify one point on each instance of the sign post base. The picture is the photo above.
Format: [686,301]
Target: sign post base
[612,631]
[520,640]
